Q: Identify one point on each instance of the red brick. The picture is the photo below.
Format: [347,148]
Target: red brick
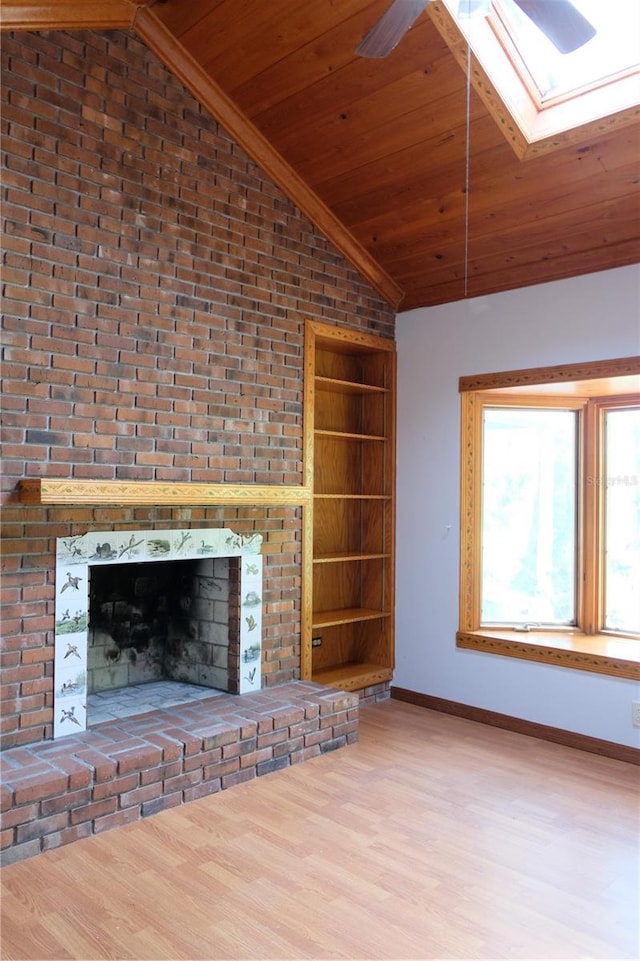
[19,815]
[117,819]
[221,769]
[163,771]
[137,758]
[204,759]
[317,737]
[191,742]
[182,781]
[305,754]
[66,836]
[140,795]
[38,786]
[18,852]
[7,838]
[103,767]
[65,802]
[171,748]
[289,746]
[114,786]
[239,777]
[97,809]
[40,827]
[165,802]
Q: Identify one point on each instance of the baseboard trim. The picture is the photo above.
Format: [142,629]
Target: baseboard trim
[582,742]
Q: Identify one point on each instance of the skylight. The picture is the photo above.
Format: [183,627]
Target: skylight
[541,98]
[612,52]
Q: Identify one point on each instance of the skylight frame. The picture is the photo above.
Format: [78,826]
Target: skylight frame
[531,129]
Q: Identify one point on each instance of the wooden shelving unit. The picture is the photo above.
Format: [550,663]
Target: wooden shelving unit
[349,463]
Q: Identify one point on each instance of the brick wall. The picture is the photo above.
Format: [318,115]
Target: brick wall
[155,290]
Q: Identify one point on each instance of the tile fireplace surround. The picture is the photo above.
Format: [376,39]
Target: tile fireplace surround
[75,556]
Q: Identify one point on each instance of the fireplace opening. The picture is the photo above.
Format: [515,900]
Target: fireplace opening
[158,633]
[179,609]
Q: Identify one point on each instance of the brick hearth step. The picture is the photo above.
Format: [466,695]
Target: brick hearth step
[55,792]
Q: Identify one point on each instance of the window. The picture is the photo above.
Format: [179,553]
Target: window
[550,547]
[529,511]
[621,521]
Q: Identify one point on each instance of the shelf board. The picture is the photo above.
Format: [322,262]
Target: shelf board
[353,497]
[348,435]
[346,615]
[353,677]
[335,557]
[347,386]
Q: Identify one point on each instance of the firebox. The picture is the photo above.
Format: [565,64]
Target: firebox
[159,620]
[141,606]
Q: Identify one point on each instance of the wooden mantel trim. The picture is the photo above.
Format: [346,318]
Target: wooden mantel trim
[47,491]
[68,14]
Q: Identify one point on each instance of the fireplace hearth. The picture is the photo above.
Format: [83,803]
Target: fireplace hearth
[57,792]
[125,702]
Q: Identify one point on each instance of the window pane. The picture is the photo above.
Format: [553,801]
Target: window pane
[612,50]
[528,516]
[622,520]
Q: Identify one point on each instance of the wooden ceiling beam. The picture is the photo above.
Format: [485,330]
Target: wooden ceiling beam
[68,14]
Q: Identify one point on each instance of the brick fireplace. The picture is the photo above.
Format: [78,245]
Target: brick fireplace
[156,287]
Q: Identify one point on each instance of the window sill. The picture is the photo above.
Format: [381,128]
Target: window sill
[618,657]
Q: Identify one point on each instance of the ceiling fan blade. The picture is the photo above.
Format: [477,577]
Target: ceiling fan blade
[391,28]
[560,21]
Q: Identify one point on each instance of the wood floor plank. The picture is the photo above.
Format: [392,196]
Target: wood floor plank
[433,837]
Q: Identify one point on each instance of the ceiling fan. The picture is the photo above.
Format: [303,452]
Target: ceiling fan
[559,20]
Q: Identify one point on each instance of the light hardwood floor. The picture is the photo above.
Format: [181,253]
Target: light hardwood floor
[434,837]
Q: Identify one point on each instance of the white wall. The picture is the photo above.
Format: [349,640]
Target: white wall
[586,318]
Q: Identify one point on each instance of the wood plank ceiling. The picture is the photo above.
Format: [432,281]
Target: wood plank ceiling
[383,144]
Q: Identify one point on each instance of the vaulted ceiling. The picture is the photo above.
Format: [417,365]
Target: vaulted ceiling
[380,153]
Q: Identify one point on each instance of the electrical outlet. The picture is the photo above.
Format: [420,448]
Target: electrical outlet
[635,713]
[316,642]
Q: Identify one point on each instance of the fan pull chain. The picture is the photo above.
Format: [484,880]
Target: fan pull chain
[466,173]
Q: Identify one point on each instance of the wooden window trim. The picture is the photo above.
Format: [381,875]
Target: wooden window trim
[584,647]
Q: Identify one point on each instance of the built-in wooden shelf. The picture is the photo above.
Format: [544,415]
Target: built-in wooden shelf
[348,634]
[352,497]
[339,556]
[347,386]
[345,435]
[48,491]
[347,615]
[353,677]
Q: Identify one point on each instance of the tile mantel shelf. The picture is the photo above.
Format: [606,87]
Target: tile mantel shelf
[48,491]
